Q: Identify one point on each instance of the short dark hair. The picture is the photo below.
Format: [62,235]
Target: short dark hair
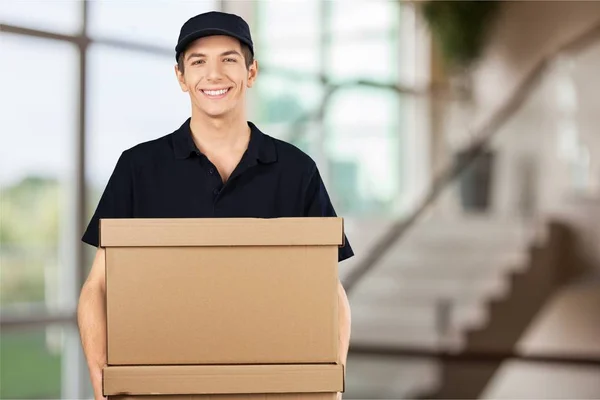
[248,58]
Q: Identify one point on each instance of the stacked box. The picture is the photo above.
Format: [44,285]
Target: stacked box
[227,308]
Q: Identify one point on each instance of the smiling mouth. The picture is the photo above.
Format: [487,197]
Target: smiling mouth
[216,94]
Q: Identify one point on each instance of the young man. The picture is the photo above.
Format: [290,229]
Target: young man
[217,164]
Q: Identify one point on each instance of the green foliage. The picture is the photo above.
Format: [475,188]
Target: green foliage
[22,280]
[31,212]
[29,237]
[460,28]
[27,369]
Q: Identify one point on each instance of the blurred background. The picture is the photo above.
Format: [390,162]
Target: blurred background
[459,140]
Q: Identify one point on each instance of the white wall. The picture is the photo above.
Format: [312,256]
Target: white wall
[523,34]
[556,131]
[556,128]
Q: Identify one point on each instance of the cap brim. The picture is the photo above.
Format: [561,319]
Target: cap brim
[185,42]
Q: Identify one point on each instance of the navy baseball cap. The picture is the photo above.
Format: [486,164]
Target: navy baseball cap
[210,24]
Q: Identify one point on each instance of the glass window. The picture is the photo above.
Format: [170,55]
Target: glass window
[282,100]
[362,183]
[31,364]
[361,43]
[37,363]
[294,21]
[296,57]
[154,22]
[288,36]
[364,165]
[361,104]
[63,16]
[283,107]
[374,59]
[37,157]
[132,98]
[363,16]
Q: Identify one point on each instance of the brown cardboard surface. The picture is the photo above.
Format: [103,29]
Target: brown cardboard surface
[162,232]
[223,379]
[270,396]
[259,304]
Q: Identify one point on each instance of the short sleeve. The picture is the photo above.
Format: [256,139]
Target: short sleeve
[318,204]
[115,202]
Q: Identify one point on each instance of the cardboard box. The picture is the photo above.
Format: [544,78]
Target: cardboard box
[231,380]
[278,396]
[222,291]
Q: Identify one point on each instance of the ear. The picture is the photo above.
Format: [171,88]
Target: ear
[180,79]
[252,73]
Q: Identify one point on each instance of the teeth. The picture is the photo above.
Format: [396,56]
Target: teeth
[215,92]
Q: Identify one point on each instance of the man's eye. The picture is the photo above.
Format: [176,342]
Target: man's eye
[198,62]
[230,60]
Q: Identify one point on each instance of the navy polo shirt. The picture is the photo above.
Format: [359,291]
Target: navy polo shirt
[170,178]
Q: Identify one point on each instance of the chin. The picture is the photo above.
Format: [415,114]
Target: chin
[215,110]
[216,114]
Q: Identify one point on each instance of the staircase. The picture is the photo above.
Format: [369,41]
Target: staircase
[462,283]
[469,283]
[549,267]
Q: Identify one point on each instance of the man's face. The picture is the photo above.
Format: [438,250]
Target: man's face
[215,75]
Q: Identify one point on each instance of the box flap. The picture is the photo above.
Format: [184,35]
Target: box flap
[163,232]
[226,379]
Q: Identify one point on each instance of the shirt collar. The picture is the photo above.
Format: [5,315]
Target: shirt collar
[261,146]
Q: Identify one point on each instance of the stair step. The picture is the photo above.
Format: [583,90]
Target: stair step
[449,270]
[522,380]
[467,235]
[383,289]
[376,377]
[438,232]
[471,223]
[386,334]
[457,233]
[398,258]
[418,315]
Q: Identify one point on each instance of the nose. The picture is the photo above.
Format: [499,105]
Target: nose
[213,71]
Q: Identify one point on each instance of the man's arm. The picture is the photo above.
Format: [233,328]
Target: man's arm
[344,327]
[344,324]
[91,318]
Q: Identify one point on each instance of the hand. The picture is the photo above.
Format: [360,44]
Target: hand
[96,375]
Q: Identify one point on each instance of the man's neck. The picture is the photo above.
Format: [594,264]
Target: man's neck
[220,135]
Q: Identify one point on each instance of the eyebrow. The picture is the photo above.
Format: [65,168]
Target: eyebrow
[227,53]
